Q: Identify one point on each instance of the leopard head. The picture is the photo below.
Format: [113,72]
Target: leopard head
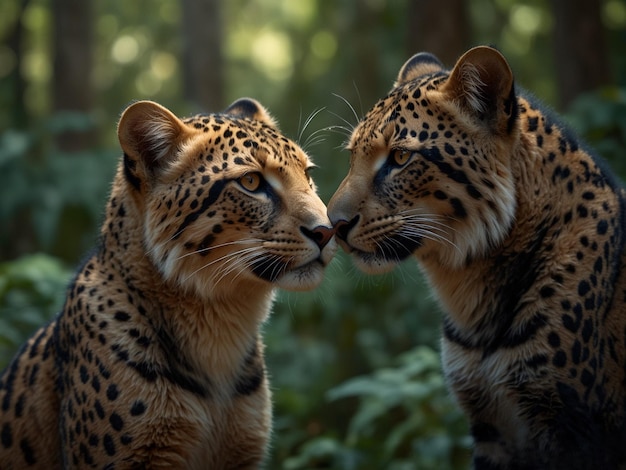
[430,168]
[223,200]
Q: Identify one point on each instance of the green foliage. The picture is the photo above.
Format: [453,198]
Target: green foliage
[42,190]
[600,116]
[32,290]
[404,420]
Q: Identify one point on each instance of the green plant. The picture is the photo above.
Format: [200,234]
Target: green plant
[405,419]
[600,116]
[52,200]
[32,290]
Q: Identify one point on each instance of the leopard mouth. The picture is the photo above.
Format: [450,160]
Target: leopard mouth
[304,276]
[389,252]
[269,269]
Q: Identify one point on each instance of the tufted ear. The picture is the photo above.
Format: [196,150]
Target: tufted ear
[150,136]
[248,108]
[482,84]
[417,66]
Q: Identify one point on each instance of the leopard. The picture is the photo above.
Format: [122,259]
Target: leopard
[518,228]
[156,359]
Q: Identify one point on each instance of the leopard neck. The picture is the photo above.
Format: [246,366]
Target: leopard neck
[559,190]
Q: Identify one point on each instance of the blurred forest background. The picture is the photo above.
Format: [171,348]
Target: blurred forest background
[354,365]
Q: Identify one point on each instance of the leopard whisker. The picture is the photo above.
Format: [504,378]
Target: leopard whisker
[239,263]
[306,124]
[222,258]
[423,232]
[354,113]
[221,245]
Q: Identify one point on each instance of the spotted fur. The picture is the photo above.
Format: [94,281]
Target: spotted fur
[520,231]
[156,359]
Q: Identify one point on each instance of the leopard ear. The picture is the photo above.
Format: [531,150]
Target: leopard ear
[150,136]
[482,84]
[249,108]
[417,66]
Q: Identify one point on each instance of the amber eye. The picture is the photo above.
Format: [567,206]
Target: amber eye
[250,181]
[399,157]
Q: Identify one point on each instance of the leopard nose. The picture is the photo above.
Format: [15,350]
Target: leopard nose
[321,234]
[343,227]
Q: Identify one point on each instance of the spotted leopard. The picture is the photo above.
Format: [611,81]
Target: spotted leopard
[156,360]
[519,229]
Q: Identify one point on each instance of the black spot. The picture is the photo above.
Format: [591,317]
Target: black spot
[597,266]
[6,436]
[587,378]
[583,288]
[472,191]
[602,227]
[248,384]
[143,341]
[27,452]
[554,340]
[570,323]
[19,406]
[205,244]
[459,209]
[109,445]
[99,410]
[546,292]
[576,351]
[9,379]
[559,359]
[33,374]
[116,421]
[138,408]
[122,316]
[536,361]
[440,195]
[84,376]
[112,392]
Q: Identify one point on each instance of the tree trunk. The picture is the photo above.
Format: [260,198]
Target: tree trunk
[440,27]
[202,54]
[580,52]
[14,42]
[73,60]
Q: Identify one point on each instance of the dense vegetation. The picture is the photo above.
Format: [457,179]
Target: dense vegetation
[355,370]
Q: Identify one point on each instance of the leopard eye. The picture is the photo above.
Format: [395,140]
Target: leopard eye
[399,157]
[250,181]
